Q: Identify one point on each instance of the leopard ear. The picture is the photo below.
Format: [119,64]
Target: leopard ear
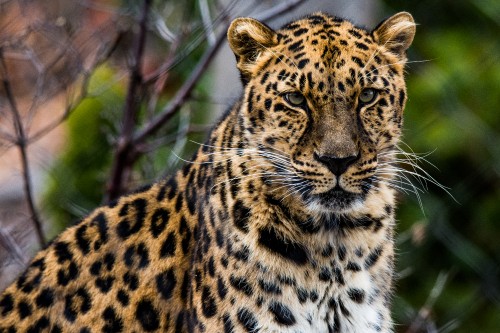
[396,33]
[249,38]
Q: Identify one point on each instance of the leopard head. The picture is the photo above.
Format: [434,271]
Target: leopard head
[323,103]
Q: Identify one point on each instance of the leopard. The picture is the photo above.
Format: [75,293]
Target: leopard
[283,220]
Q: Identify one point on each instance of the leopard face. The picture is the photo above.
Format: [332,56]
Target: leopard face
[323,105]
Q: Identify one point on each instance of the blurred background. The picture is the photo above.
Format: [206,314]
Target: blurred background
[100,97]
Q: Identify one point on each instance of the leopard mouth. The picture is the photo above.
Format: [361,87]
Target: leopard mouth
[336,200]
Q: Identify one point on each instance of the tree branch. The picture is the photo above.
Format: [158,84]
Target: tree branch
[184,92]
[125,151]
[83,92]
[422,319]
[182,95]
[22,144]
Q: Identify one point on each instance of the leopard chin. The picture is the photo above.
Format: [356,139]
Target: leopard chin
[336,201]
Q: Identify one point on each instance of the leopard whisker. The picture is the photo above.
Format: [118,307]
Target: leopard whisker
[270,175]
[402,183]
[406,190]
[420,174]
[422,179]
[402,177]
[276,158]
[397,171]
[296,190]
[292,187]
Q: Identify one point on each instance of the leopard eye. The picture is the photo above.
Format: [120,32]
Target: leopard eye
[295,98]
[367,95]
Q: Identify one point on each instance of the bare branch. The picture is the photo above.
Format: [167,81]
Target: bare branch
[15,251]
[205,16]
[184,92]
[81,95]
[276,11]
[160,77]
[22,144]
[182,95]
[125,150]
[423,318]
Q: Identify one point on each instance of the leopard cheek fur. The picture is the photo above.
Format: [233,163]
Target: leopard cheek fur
[282,223]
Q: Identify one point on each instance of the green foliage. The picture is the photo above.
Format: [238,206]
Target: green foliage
[78,177]
[452,111]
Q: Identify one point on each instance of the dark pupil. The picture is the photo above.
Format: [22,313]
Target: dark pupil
[296,98]
[367,95]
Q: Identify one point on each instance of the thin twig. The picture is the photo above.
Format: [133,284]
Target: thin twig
[277,10]
[22,144]
[205,16]
[15,251]
[185,91]
[191,46]
[82,94]
[182,94]
[423,317]
[124,153]
[161,79]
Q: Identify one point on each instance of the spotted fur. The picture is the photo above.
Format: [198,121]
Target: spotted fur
[283,222]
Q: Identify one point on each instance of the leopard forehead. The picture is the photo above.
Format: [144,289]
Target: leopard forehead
[321,49]
[324,37]
[329,61]
[323,55]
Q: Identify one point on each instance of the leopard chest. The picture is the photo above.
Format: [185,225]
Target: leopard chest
[262,268]
[272,284]
[321,296]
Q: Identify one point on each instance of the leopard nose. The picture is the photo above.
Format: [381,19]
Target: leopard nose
[337,165]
